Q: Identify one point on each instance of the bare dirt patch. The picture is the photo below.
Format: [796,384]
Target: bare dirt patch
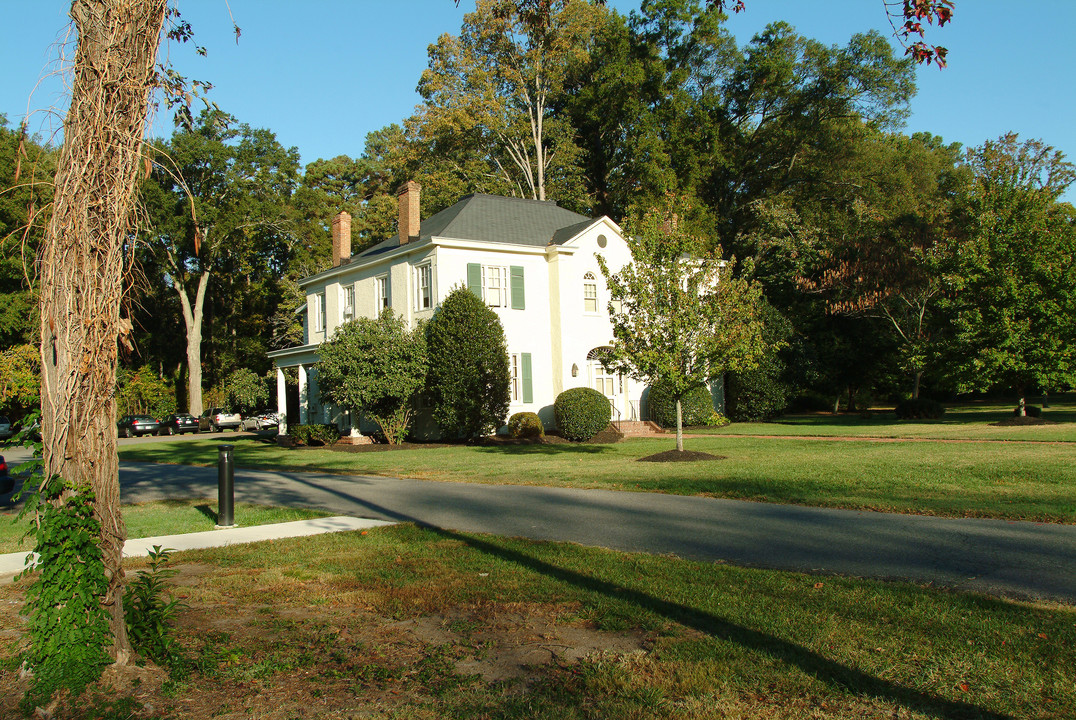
[331,659]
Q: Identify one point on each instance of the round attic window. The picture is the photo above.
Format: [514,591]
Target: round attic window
[602,241]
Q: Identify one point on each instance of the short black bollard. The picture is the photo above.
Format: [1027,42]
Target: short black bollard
[225,487]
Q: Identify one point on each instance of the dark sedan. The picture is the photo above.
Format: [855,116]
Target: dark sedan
[179,424]
[131,425]
[7,483]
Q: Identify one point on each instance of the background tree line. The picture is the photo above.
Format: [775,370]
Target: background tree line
[891,264]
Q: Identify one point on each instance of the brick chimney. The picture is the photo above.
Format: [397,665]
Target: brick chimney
[408,196]
[341,238]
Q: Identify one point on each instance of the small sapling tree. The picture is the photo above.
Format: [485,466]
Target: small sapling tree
[683,317]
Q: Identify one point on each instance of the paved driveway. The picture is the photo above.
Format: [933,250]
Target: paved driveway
[1018,559]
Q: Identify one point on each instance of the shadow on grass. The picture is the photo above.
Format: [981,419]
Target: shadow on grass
[824,669]
[544,449]
[207,511]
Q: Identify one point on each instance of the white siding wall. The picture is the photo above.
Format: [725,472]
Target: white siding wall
[526,330]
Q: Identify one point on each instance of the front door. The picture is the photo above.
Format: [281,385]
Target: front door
[609,384]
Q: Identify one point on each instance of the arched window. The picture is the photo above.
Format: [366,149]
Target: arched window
[590,293]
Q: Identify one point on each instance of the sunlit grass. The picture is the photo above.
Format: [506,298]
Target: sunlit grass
[752,643]
[166,517]
[982,479]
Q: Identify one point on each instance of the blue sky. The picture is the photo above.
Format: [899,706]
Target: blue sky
[323,74]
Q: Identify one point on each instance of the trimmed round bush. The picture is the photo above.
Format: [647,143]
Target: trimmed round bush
[581,413]
[919,409]
[696,407]
[525,425]
[1029,411]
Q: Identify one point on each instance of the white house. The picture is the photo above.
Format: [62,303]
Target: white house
[533,262]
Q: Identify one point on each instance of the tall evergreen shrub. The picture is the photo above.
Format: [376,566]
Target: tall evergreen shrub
[467,378]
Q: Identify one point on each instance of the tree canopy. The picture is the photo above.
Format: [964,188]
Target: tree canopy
[680,316]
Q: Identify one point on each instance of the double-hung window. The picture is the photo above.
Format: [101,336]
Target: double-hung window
[497,285]
[519,369]
[347,303]
[590,293]
[318,311]
[423,287]
[381,293]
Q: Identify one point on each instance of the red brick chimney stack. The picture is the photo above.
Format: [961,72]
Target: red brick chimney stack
[408,196]
[341,238]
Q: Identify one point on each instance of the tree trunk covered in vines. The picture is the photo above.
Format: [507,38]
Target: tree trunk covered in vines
[82,261]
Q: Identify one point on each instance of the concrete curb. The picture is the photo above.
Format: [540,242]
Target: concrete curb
[13,563]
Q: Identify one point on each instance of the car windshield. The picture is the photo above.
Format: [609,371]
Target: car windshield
[143,418]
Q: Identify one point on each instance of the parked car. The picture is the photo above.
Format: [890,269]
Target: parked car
[260,421]
[179,424]
[7,483]
[131,425]
[217,419]
[5,428]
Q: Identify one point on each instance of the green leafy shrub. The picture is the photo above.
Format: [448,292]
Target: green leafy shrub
[581,413]
[1029,411]
[761,393]
[467,382]
[69,630]
[525,425]
[696,406]
[919,409]
[150,611]
[716,419]
[314,434]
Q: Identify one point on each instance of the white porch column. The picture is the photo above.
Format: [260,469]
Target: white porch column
[304,397]
[281,401]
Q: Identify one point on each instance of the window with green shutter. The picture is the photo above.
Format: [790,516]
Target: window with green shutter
[474,278]
[528,389]
[518,295]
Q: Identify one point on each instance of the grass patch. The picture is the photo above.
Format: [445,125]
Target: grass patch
[419,623]
[1028,481]
[961,422]
[165,517]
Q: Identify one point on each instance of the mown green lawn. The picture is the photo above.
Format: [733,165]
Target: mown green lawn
[401,622]
[1033,481]
[960,422]
[166,517]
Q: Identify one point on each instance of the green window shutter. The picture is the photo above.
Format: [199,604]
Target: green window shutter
[528,389]
[474,279]
[517,288]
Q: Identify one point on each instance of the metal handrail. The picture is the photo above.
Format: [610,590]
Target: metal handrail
[613,408]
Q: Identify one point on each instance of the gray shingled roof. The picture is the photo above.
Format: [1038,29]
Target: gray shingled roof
[492,218]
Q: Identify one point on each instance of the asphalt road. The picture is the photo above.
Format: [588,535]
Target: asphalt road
[1014,559]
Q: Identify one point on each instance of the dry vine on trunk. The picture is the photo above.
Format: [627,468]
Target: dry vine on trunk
[82,261]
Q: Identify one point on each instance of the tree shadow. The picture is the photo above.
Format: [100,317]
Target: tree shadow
[208,512]
[544,449]
[824,669]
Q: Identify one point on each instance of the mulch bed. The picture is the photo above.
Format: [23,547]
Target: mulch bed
[680,456]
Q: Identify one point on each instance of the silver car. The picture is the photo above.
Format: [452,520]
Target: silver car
[5,427]
[260,421]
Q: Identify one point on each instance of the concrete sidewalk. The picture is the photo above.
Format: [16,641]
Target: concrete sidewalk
[12,563]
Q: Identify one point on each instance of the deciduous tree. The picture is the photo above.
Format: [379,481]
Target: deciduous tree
[218,207]
[374,368]
[489,92]
[683,317]
[82,262]
[1013,280]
